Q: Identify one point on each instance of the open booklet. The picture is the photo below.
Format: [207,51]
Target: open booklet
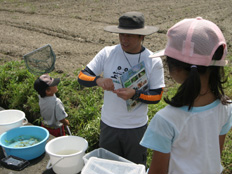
[135,78]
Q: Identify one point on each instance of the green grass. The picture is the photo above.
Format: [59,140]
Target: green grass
[82,104]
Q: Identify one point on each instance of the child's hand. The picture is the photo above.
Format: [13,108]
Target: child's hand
[65,122]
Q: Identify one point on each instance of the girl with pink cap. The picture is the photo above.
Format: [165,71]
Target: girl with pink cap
[187,136]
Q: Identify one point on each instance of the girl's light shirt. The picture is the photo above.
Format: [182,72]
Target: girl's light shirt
[112,63]
[192,137]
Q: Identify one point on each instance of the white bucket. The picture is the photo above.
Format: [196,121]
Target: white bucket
[10,119]
[66,154]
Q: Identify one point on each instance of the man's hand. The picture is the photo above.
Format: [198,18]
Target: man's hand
[125,93]
[105,83]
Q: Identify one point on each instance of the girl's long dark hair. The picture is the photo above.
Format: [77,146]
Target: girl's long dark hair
[190,89]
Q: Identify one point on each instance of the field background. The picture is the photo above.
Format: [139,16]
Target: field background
[74,28]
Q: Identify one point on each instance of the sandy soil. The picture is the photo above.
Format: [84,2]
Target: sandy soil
[74,28]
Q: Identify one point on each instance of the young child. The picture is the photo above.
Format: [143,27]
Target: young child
[51,107]
[187,136]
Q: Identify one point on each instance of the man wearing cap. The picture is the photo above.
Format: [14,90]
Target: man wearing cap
[122,130]
[51,107]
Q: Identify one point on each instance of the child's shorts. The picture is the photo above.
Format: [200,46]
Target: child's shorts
[55,132]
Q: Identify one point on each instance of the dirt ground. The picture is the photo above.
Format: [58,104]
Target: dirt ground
[74,28]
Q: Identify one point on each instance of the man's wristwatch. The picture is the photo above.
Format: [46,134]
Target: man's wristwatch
[136,96]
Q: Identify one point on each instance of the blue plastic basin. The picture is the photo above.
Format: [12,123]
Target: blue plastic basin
[30,152]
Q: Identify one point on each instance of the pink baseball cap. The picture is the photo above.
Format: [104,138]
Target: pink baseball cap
[49,80]
[194,41]
[45,81]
